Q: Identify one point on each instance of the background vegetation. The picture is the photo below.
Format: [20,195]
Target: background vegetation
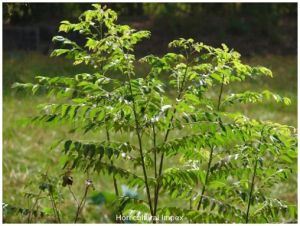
[250,28]
[256,30]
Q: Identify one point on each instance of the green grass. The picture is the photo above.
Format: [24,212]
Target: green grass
[26,149]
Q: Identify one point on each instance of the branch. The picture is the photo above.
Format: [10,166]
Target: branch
[206,177]
[166,138]
[140,143]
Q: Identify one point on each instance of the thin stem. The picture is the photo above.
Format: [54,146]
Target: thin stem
[74,196]
[154,145]
[112,163]
[34,205]
[251,191]
[80,206]
[137,125]
[166,138]
[115,183]
[54,207]
[206,177]
[155,166]
[220,94]
[253,177]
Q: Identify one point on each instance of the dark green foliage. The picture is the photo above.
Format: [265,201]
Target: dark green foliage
[224,164]
[8,209]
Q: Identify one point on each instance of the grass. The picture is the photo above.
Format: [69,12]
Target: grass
[26,151]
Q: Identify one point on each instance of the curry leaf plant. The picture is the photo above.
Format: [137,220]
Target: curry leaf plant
[185,150]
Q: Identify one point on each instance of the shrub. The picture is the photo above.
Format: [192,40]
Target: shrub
[182,140]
